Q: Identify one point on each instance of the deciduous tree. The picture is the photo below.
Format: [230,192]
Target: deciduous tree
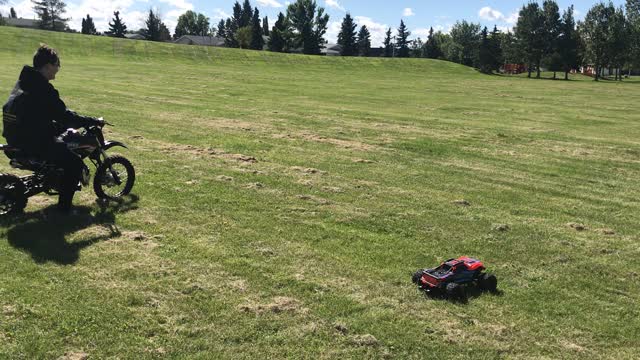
[50,13]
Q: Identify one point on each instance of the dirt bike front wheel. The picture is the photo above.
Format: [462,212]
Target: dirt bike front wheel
[114,178]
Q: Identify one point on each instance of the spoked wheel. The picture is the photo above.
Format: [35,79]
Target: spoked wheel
[12,195]
[114,178]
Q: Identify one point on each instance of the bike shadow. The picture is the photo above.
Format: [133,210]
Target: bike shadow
[44,233]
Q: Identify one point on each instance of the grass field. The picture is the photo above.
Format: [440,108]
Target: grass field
[283,202]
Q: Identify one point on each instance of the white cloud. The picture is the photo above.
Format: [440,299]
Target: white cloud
[24,9]
[408,12]
[269,3]
[219,14]
[489,14]
[422,33]
[333,29]
[334,4]
[378,31]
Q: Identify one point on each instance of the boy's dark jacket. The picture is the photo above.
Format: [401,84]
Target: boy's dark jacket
[35,115]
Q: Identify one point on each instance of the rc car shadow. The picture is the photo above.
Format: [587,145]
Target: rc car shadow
[43,234]
[471,293]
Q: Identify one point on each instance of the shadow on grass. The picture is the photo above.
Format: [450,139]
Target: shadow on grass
[43,234]
[470,294]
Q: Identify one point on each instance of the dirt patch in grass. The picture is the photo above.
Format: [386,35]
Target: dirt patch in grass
[341,143]
[577,226]
[364,340]
[278,305]
[314,199]
[73,355]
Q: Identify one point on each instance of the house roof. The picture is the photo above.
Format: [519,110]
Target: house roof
[134,36]
[200,40]
[21,22]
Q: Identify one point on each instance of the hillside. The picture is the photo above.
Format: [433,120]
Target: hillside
[283,202]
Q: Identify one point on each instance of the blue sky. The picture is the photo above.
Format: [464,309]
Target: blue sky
[378,15]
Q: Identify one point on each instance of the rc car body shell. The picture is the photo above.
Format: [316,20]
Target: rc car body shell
[462,270]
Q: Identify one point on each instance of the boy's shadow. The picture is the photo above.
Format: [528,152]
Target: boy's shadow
[43,234]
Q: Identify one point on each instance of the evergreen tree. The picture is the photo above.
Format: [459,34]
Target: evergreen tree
[432,48]
[552,24]
[530,32]
[310,25]
[402,40]
[364,41]
[265,26]
[236,18]
[231,28]
[155,29]
[484,53]
[495,46]
[257,41]
[568,43]
[246,15]
[12,14]
[388,45]
[347,37]
[277,40]
[50,14]
[117,28]
[220,32]
[88,27]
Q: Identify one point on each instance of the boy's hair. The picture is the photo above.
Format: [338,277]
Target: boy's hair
[45,55]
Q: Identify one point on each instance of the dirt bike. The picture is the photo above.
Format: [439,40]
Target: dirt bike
[113,179]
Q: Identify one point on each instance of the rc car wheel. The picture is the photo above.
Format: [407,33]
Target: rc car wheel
[488,282]
[416,277]
[12,195]
[455,291]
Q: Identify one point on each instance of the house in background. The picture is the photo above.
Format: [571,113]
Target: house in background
[21,23]
[135,36]
[200,40]
[331,50]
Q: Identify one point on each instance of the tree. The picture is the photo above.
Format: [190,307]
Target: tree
[485,60]
[495,44]
[246,14]
[118,28]
[231,28]
[633,19]
[155,29]
[191,23]
[402,40]
[265,26]
[620,35]
[432,48]
[364,41]
[568,43]
[50,14]
[88,27]
[220,32]
[309,25]
[12,14]
[388,45]
[277,40]
[243,36]
[530,32]
[347,37]
[466,39]
[257,41]
[596,35]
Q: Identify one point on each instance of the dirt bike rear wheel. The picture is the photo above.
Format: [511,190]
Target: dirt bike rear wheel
[12,195]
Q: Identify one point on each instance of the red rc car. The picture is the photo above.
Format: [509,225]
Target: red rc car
[453,275]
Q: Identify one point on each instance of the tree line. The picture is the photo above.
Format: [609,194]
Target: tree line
[608,37]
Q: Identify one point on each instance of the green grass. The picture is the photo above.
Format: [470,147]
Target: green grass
[308,252]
